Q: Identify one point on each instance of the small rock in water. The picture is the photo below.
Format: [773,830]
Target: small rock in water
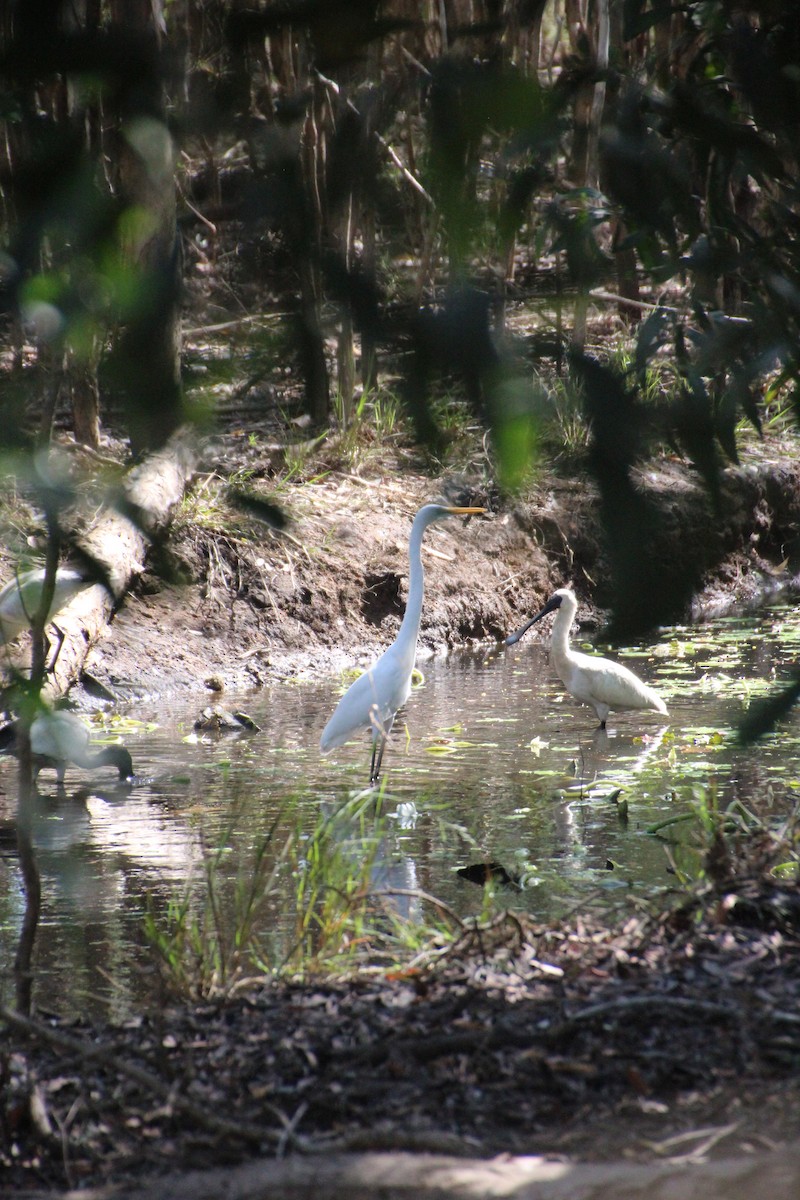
[491,872]
[219,720]
[247,722]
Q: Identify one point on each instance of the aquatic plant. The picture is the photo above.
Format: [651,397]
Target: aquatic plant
[243,921]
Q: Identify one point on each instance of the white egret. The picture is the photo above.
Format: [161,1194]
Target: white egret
[598,681]
[59,738]
[21,596]
[375,697]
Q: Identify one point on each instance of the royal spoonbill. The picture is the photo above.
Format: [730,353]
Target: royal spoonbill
[21,596]
[59,738]
[598,681]
[375,697]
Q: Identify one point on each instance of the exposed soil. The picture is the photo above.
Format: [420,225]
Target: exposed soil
[330,590]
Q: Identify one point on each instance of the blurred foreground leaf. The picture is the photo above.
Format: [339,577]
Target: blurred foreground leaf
[763,715]
[258,507]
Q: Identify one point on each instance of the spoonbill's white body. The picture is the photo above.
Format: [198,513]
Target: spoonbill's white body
[375,697]
[59,738]
[21,596]
[604,684]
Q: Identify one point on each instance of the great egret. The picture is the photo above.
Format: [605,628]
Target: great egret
[59,738]
[375,697]
[604,684]
[21,596]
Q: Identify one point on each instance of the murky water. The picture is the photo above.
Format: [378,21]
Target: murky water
[499,765]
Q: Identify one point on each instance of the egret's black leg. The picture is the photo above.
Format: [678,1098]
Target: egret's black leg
[375,769]
[61,636]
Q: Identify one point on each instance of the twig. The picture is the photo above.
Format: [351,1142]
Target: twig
[434,1141]
[685,1004]
[367,483]
[644,305]
[290,1125]
[210,226]
[425,1048]
[412,179]
[438,554]
[89,452]
[710,1137]
[419,894]
[395,157]
[223,325]
[415,62]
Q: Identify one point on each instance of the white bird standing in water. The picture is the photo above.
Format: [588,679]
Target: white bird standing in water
[21,596]
[598,681]
[59,738]
[375,697]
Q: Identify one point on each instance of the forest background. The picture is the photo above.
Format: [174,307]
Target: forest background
[384,184]
[402,217]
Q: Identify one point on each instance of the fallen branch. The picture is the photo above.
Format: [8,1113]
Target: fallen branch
[435,1176]
[670,1004]
[152,490]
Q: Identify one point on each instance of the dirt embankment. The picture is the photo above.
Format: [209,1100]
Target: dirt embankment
[331,590]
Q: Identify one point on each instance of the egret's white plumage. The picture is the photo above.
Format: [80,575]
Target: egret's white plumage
[21,596]
[59,738]
[375,697]
[604,684]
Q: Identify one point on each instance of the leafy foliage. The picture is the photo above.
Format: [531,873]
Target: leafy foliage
[366,137]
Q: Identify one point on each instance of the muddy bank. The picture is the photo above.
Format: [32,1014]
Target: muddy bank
[330,590]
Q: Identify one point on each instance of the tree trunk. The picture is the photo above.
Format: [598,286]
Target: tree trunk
[628,55]
[148,355]
[602,37]
[589,106]
[312,345]
[31,882]
[81,367]
[369,350]
[82,379]
[345,364]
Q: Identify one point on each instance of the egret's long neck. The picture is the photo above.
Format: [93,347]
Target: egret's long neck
[409,628]
[559,643]
[107,756]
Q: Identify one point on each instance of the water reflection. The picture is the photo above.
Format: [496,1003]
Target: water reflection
[498,766]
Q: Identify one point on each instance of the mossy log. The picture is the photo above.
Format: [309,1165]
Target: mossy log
[152,490]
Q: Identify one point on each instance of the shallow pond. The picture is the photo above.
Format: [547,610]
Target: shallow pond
[498,765]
